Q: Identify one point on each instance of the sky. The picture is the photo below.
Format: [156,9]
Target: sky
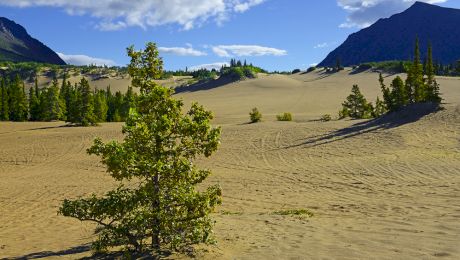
[279,35]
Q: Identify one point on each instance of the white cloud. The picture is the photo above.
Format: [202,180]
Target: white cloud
[363,13]
[210,66]
[321,45]
[80,60]
[246,50]
[181,51]
[119,14]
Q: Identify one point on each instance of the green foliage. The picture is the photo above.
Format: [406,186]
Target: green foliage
[356,105]
[311,69]
[386,66]
[52,107]
[284,117]
[295,71]
[255,116]
[204,74]
[160,146]
[4,98]
[18,105]
[326,118]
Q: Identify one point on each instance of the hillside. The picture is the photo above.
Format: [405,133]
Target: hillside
[393,38]
[18,46]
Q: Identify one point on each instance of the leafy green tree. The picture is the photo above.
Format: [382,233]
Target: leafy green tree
[129,101]
[356,105]
[163,208]
[4,109]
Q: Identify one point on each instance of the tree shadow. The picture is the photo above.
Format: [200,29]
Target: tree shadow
[45,254]
[86,248]
[408,114]
[205,85]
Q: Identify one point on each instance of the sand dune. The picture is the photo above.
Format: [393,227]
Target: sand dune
[385,189]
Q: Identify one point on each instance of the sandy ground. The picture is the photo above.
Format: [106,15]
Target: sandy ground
[387,189]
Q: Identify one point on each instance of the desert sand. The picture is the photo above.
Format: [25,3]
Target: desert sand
[384,189]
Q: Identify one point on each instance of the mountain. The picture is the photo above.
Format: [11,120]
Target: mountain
[17,45]
[394,38]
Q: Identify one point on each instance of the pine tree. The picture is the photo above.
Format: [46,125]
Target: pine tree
[53,107]
[100,106]
[414,82]
[356,105]
[129,101]
[85,104]
[379,109]
[399,94]
[163,208]
[4,110]
[34,104]
[432,87]
[387,99]
[18,104]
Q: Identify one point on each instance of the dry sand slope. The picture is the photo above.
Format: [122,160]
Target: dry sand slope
[387,189]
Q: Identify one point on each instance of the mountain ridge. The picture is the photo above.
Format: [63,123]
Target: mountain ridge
[17,45]
[393,38]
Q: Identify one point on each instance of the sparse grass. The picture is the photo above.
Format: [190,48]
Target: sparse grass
[230,213]
[294,212]
[284,117]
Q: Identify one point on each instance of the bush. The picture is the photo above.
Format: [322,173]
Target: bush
[313,68]
[296,71]
[255,116]
[284,117]
[326,118]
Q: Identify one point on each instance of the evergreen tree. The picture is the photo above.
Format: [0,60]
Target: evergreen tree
[432,87]
[163,208]
[387,99]
[85,103]
[100,106]
[379,109]
[414,82]
[53,107]
[18,104]
[129,101]
[356,105]
[399,94]
[34,104]
[4,109]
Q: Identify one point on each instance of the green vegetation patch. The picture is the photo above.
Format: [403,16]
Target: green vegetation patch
[294,212]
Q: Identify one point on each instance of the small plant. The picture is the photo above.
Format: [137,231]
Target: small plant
[284,117]
[294,212]
[326,118]
[255,116]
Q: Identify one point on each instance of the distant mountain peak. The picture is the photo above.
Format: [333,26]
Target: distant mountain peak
[393,38]
[17,45]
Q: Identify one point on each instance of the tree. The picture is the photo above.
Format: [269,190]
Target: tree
[432,87]
[18,105]
[34,103]
[4,109]
[255,116]
[387,99]
[163,208]
[356,105]
[85,104]
[379,109]
[414,82]
[100,106]
[52,106]
[399,95]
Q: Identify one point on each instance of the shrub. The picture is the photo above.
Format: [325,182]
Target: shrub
[313,68]
[255,116]
[326,118]
[296,71]
[284,117]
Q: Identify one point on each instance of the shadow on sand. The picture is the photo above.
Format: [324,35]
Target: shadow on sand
[409,114]
[73,251]
[206,85]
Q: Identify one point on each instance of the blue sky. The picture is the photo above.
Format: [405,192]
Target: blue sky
[274,34]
